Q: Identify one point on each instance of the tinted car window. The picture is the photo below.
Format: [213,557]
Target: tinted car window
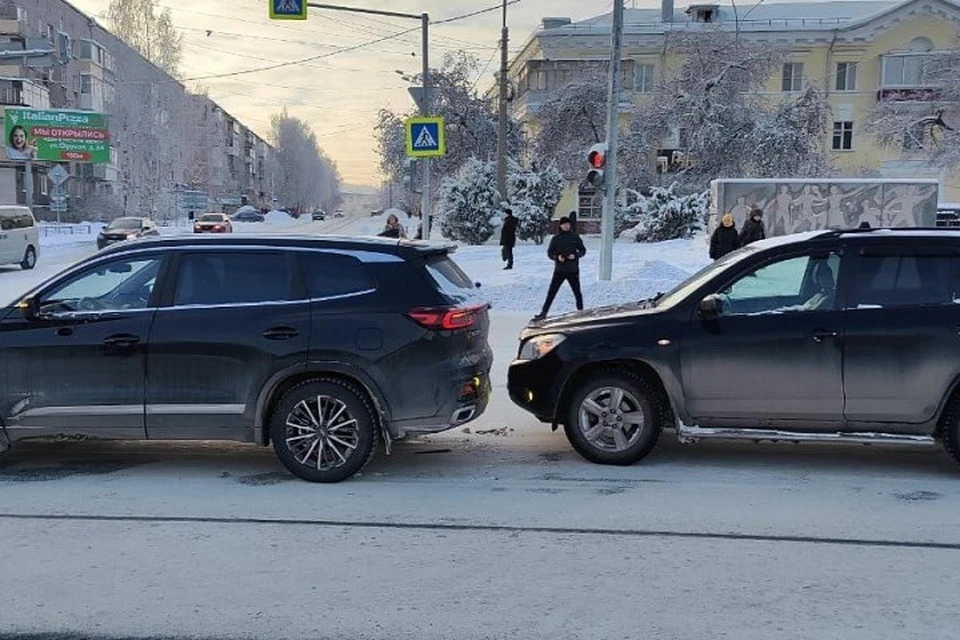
[234,278]
[332,274]
[904,280]
[211,217]
[25,221]
[124,223]
[450,279]
[8,220]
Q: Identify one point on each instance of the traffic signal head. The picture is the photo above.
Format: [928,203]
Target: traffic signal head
[410,174]
[597,159]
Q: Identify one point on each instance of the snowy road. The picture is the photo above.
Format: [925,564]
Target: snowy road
[499,532]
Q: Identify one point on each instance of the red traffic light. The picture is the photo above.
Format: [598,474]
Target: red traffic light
[597,156]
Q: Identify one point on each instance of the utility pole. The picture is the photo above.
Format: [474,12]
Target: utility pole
[425,104]
[425,99]
[502,127]
[608,222]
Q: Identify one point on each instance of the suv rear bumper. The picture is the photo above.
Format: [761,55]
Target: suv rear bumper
[458,410]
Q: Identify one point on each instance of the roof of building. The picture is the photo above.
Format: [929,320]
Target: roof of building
[766,16]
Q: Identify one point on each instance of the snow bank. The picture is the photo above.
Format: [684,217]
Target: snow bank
[281,218]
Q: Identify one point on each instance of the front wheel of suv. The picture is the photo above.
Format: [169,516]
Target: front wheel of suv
[324,430]
[614,418]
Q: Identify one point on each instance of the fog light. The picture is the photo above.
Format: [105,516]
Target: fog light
[529,396]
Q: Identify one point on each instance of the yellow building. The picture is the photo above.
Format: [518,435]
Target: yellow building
[858,52]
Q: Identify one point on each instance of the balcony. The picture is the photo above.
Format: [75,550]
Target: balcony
[22,92]
[910,76]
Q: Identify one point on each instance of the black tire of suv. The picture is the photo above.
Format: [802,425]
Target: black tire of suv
[29,259]
[360,409]
[950,428]
[650,405]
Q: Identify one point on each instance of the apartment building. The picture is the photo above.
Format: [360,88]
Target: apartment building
[857,52]
[163,139]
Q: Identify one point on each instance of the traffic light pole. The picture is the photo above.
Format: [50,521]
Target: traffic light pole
[608,222]
[425,105]
[502,115]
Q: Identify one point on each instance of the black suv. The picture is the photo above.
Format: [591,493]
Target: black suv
[320,345]
[837,336]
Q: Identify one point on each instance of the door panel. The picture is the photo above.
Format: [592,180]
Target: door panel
[231,326]
[903,341]
[78,365]
[773,355]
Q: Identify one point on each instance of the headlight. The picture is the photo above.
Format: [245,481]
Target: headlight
[131,236]
[539,346]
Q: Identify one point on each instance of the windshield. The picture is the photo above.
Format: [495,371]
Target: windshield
[125,223]
[697,280]
[211,217]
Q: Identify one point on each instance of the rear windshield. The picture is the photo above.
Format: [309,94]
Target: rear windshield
[125,223]
[450,279]
[211,217]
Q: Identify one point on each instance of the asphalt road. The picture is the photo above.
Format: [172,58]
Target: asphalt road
[500,531]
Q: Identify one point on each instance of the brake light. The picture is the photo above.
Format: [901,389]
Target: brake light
[444,319]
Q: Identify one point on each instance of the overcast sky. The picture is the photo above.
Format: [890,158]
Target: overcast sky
[338,96]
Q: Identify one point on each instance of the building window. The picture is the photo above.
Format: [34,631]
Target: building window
[914,137]
[906,70]
[842,136]
[792,76]
[538,81]
[644,78]
[86,82]
[590,205]
[846,76]
[63,47]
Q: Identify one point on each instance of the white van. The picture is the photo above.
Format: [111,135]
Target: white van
[18,236]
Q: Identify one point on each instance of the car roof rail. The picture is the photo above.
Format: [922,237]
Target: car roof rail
[833,233]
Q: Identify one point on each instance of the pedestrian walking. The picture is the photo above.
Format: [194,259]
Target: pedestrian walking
[753,229]
[508,238]
[725,238]
[566,248]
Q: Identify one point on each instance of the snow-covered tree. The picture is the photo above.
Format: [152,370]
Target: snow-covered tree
[149,31]
[308,178]
[925,123]
[467,203]
[471,123]
[533,195]
[570,121]
[667,215]
[789,141]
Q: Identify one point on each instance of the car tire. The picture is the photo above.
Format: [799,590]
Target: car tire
[605,432]
[29,259]
[324,430]
[950,428]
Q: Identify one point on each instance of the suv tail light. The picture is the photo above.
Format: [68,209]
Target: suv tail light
[446,319]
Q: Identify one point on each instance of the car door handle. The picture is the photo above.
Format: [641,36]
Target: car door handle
[121,340]
[820,335]
[64,332]
[281,333]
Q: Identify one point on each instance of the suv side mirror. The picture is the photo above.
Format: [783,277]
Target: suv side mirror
[711,306]
[30,307]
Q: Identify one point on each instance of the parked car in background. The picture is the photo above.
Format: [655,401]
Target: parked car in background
[19,241]
[319,214]
[122,229]
[247,214]
[213,223]
[830,337]
[322,346]
[338,213]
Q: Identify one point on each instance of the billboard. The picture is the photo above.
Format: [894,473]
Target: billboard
[55,135]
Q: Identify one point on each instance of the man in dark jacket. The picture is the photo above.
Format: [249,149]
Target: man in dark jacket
[508,238]
[753,228]
[566,248]
[725,238]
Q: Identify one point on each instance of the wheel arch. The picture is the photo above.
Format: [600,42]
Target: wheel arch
[639,368]
[285,380]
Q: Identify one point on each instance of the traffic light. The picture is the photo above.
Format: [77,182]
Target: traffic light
[410,175]
[597,159]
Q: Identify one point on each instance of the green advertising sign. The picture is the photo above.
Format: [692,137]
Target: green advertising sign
[56,136]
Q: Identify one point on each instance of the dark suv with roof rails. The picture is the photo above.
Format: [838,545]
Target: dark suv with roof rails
[835,336]
[321,345]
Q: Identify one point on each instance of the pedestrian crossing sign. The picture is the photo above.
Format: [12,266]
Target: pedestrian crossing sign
[425,137]
[288,9]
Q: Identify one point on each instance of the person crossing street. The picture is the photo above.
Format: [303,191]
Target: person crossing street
[566,248]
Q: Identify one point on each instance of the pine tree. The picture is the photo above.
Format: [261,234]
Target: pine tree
[468,203]
[533,196]
[667,215]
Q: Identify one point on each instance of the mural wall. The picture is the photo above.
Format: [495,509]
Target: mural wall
[794,206]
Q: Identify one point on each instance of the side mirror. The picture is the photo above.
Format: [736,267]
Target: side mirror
[711,306]
[30,307]
[477,285]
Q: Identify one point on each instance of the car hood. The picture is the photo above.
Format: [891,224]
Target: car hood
[590,318]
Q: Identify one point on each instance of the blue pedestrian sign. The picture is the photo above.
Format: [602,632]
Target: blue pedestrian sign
[425,137]
[288,9]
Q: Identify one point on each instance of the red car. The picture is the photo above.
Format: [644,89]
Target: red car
[213,223]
